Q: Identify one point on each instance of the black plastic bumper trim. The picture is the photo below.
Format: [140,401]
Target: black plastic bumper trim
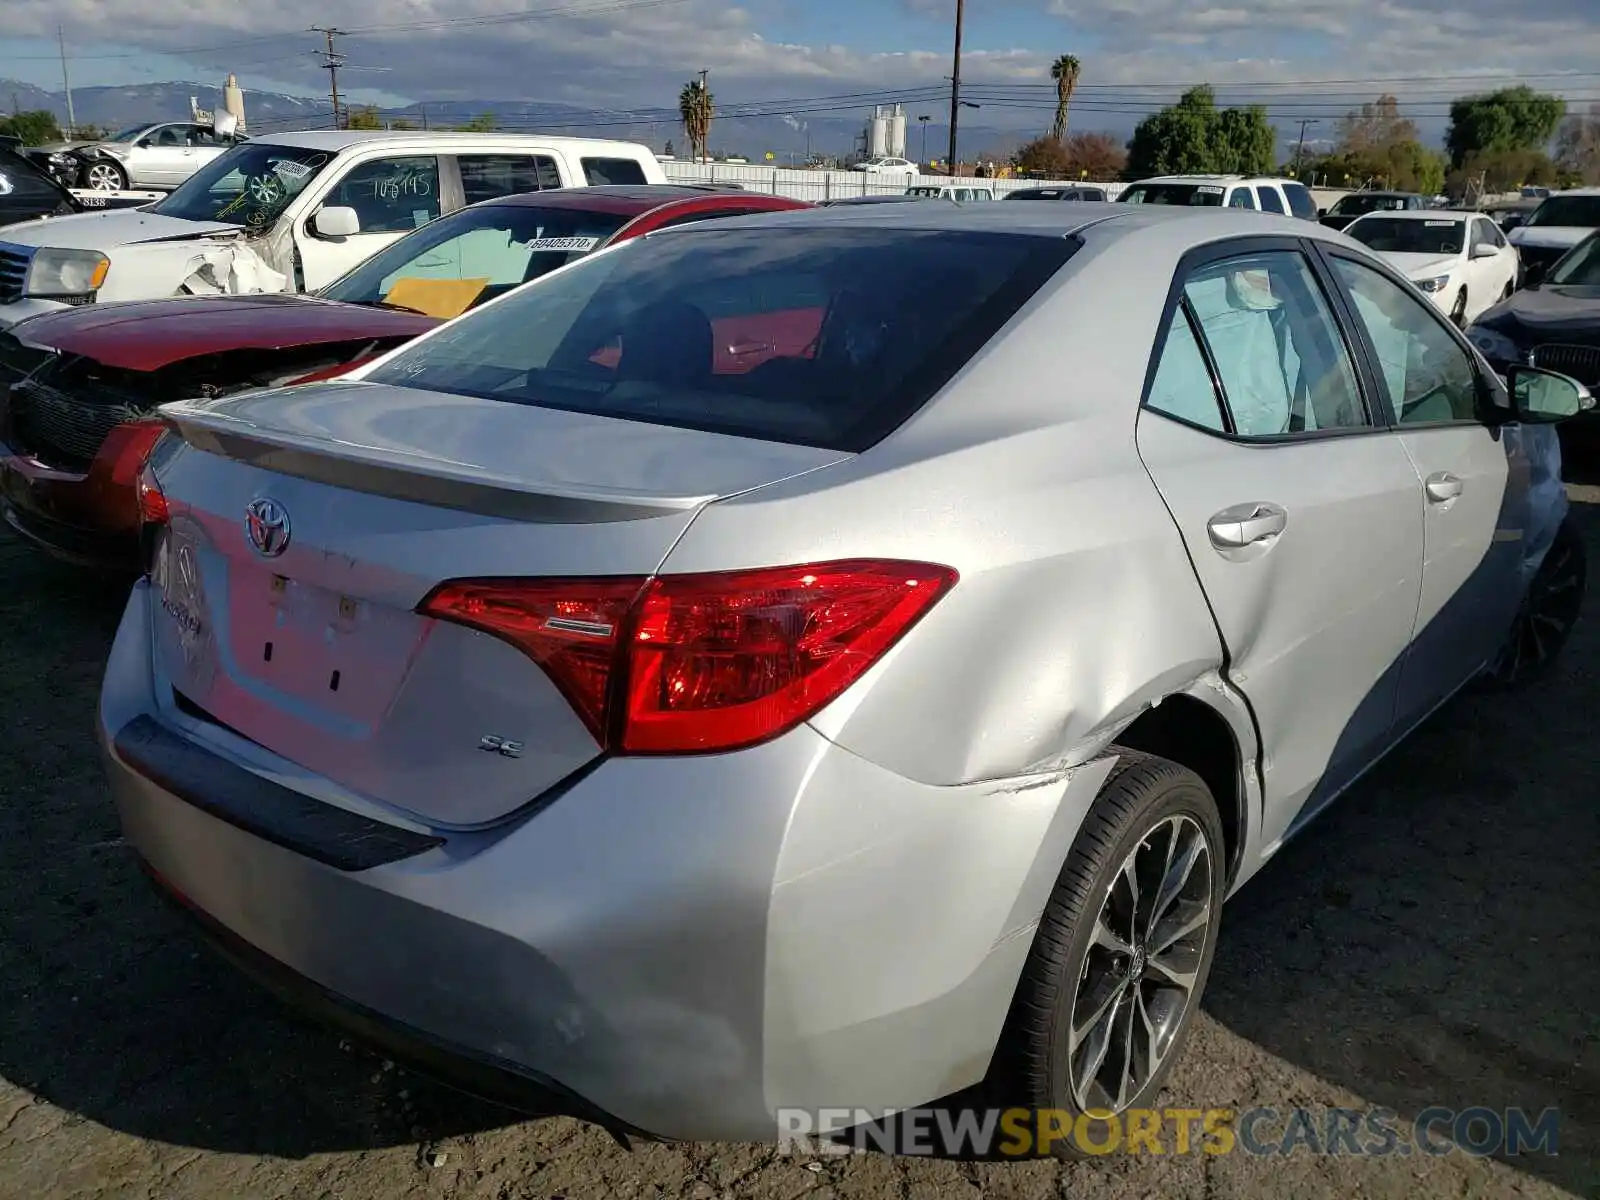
[485,1076]
[272,812]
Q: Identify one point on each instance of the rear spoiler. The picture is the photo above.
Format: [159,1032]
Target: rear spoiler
[416,477]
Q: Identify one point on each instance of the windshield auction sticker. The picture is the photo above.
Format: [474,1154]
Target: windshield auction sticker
[568,244]
[290,169]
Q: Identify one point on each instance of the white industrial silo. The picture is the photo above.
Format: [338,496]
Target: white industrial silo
[878,135]
[897,132]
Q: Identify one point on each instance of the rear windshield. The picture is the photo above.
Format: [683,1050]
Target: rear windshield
[1199,195]
[821,337]
[1399,235]
[1357,203]
[460,261]
[1580,211]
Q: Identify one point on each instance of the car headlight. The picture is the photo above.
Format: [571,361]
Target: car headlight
[66,274]
[1437,284]
[1494,345]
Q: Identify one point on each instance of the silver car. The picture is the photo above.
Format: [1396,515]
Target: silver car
[821,660]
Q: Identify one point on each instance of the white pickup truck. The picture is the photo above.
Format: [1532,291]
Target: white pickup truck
[289,212]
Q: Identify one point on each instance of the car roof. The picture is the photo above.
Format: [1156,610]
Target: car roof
[1040,220]
[1421,214]
[342,139]
[1582,191]
[619,199]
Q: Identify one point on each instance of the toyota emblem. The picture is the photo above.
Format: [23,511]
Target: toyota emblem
[267,524]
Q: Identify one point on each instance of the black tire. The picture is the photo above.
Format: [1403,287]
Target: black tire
[101,174]
[1548,613]
[1143,796]
[1458,311]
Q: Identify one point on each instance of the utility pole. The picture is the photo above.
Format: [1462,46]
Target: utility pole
[705,146]
[1300,147]
[955,88]
[332,60]
[923,121]
[66,83]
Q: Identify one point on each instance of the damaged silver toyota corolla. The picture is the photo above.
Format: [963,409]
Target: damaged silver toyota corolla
[576,706]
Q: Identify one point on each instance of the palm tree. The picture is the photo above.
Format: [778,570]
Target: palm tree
[1065,72]
[694,109]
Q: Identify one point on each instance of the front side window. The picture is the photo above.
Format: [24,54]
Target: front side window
[390,195]
[1408,235]
[490,176]
[474,255]
[250,185]
[827,337]
[170,135]
[600,171]
[1428,375]
[1280,357]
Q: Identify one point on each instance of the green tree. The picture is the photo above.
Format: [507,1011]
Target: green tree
[1044,158]
[1503,171]
[1378,146]
[1516,118]
[1194,137]
[364,117]
[1065,71]
[482,123]
[36,128]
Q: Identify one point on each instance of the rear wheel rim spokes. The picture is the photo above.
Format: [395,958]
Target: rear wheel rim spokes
[1141,970]
[104,178]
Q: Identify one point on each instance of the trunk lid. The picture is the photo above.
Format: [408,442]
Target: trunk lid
[317,652]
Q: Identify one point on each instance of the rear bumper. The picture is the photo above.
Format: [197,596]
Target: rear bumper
[688,944]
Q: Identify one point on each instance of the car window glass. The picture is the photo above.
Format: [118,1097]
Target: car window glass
[1301,202]
[1182,386]
[390,194]
[1269,200]
[829,336]
[1241,198]
[1283,364]
[490,176]
[171,135]
[599,171]
[1428,375]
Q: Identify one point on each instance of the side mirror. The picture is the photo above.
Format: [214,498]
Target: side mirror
[1322,212]
[1485,250]
[1541,397]
[336,221]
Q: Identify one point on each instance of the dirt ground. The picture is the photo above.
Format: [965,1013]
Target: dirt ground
[1430,942]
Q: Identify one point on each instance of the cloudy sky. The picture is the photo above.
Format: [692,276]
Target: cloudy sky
[1309,59]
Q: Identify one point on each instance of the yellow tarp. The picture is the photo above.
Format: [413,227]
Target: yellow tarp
[443,298]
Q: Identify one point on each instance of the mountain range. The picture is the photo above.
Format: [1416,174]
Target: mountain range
[785,136]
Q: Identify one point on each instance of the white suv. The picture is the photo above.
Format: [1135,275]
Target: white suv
[1284,196]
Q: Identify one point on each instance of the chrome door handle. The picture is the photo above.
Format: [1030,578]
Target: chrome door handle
[1442,486]
[1246,524]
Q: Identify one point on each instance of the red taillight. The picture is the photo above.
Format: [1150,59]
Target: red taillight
[128,447]
[698,663]
[152,500]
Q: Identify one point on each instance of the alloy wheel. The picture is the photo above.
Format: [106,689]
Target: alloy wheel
[103,177]
[1142,968]
[1548,613]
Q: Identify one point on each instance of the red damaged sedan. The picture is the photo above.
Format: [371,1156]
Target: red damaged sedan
[79,388]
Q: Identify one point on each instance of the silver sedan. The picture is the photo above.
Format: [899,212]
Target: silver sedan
[822,660]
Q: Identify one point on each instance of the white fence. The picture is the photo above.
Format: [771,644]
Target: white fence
[832,185]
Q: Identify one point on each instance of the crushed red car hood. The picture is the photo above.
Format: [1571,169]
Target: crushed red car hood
[146,335]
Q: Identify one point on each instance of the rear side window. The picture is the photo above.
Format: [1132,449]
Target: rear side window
[1269,200]
[829,337]
[490,176]
[1301,202]
[600,171]
[1242,197]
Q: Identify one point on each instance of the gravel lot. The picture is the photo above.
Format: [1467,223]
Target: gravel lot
[1431,942]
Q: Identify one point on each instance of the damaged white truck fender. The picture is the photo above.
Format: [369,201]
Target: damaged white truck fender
[232,268]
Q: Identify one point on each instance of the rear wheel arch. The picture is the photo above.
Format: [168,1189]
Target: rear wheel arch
[1193,734]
